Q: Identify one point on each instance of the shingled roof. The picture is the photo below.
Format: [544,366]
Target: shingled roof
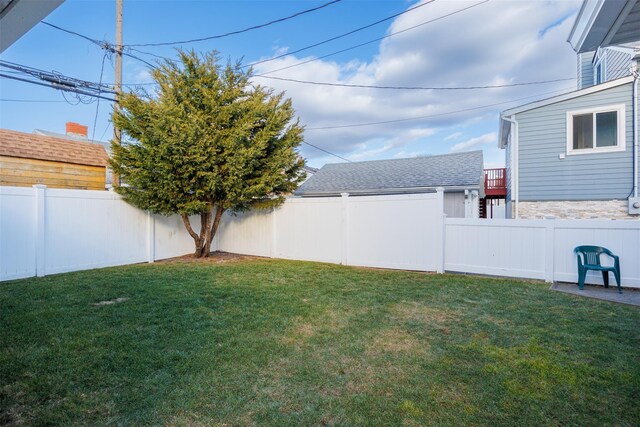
[31,146]
[396,176]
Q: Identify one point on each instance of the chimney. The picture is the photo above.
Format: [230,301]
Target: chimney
[75,129]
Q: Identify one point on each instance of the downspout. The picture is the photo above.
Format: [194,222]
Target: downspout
[634,110]
[514,161]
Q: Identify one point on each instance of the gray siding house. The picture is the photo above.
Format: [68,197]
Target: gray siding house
[460,174]
[603,65]
[576,155]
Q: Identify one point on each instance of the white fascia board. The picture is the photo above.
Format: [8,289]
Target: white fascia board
[583,23]
[19,16]
[569,95]
[504,129]
[597,23]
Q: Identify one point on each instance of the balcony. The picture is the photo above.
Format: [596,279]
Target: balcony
[495,183]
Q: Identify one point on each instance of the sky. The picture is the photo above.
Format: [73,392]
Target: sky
[442,43]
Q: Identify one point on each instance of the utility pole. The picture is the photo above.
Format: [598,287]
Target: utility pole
[118,79]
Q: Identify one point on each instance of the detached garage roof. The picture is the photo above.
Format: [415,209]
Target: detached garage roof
[397,176]
[31,146]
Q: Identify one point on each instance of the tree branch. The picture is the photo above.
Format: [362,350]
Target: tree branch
[187,224]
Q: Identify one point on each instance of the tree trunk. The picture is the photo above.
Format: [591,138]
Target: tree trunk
[200,240]
[213,230]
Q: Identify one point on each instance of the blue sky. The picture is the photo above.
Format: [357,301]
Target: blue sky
[494,42]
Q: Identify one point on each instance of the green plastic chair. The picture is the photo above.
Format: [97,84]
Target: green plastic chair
[589,259]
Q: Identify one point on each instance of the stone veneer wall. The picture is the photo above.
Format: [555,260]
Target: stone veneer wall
[588,209]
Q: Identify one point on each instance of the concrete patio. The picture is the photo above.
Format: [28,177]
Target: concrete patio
[628,296]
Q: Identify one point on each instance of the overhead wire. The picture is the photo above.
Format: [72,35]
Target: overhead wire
[348,33]
[29,100]
[95,117]
[230,33]
[433,115]
[54,77]
[326,151]
[418,118]
[61,88]
[414,87]
[339,84]
[374,40]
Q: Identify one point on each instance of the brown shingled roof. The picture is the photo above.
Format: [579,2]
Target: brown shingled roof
[31,146]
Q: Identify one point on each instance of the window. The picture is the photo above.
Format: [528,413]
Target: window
[598,76]
[599,69]
[596,130]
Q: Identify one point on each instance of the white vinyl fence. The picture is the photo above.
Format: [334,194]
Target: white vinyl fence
[539,249]
[403,232]
[47,231]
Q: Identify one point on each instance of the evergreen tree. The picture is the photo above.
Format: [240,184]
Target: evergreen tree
[205,143]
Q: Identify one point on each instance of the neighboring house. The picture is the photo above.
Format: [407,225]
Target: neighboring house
[461,175]
[28,159]
[576,155]
[78,132]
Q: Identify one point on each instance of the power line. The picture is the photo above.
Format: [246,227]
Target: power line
[54,86]
[105,131]
[104,44]
[95,117]
[375,40]
[254,27]
[130,55]
[28,100]
[95,41]
[340,36]
[432,115]
[413,87]
[56,79]
[326,151]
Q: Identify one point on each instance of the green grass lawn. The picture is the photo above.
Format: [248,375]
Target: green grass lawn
[268,342]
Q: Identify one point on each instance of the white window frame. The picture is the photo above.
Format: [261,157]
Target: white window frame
[621,134]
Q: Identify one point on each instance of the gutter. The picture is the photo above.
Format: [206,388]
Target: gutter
[634,110]
[514,160]
[387,191]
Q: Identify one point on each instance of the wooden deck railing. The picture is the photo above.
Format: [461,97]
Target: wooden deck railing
[495,182]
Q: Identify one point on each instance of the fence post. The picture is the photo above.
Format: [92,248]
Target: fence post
[40,192]
[549,252]
[274,233]
[151,237]
[345,228]
[442,217]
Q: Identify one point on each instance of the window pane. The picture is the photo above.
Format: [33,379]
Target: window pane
[582,131]
[607,129]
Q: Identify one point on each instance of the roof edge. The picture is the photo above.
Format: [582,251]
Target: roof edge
[567,96]
[388,191]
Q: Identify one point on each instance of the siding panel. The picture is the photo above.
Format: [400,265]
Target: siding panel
[585,70]
[617,64]
[21,172]
[596,176]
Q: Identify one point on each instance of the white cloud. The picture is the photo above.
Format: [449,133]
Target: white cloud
[475,143]
[453,136]
[494,43]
